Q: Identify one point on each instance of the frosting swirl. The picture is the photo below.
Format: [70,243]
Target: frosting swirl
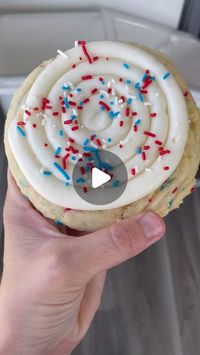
[108,95]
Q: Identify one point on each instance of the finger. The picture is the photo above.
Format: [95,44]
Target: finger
[112,245]
[91,302]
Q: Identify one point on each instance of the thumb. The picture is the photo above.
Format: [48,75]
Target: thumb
[112,245]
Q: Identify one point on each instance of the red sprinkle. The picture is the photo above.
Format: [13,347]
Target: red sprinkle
[93,91]
[71,95]
[166,167]
[120,79]
[121,123]
[150,200]
[192,189]
[149,134]
[56,113]
[146,147]
[63,109]
[127,111]
[34,125]
[144,91]
[176,188]
[143,155]
[71,140]
[28,112]
[133,171]
[45,144]
[158,142]
[134,113]
[153,114]
[68,122]
[135,128]
[185,93]
[92,137]
[85,189]
[73,66]
[109,90]
[72,103]
[104,105]
[35,109]
[98,142]
[86,52]
[100,78]
[82,170]
[75,128]
[48,107]
[64,164]
[80,107]
[95,58]
[21,123]
[86,77]
[147,82]
[86,100]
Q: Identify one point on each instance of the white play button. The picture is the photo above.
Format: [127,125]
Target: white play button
[99,178]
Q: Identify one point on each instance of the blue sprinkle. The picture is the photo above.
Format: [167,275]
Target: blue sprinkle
[87,168]
[66,87]
[106,166]
[86,141]
[73,117]
[113,114]
[78,89]
[73,157]
[61,133]
[66,102]
[153,78]
[47,173]
[81,103]
[128,81]
[144,77]
[140,97]
[57,221]
[102,108]
[80,180]
[111,102]
[129,101]
[67,184]
[126,66]
[101,96]
[139,150]
[90,159]
[20,131]
[90,149]
[137,86]
[102,82]
[115,183]
[57,151]
[63,172]
[166,75]
[138,122]
[109,140]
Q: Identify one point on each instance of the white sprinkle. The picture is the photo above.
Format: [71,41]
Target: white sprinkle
[147,103]
[62,53]
[74,111]
[109,84]
[120,101]
[43,122]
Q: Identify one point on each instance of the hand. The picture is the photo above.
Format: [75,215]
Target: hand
[52,281]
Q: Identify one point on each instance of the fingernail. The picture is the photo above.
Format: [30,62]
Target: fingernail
[152,225]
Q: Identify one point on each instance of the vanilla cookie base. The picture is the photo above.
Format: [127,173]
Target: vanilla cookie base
[163,200]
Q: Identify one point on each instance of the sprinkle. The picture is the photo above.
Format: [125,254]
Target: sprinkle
[138,122]
[134,113]
[121,123]
[68,122]
[86,52]
[149,134]
[73,66]
[113,114]
[34,125]
[133,171]
[153,114]
[20,131]
[73,157]
[60,132]
[143,91]
[126,65]
[139,150]
[176,188]
[135,128]
[170,203]
[166,168]
[185,93]
[58,150]
[116,183]
[98,142]
[45,144]
[73,117]
[158,142]
[128,81]
[102,103]
[21,123]
[86,77]
[85,189]
[140,97]
[166,75]
[58,167]
[75,128]
[144,77]
[109,140]
[56,113]
[66,102]
[86,141]
[28,113]
[146,147]
[95,58]
[66,156]
[143,156]
[129,101]
[82,170]
[86,100]
[192,189]
[72,103]
[163,152]
[68,87]
[147,83]
[46,172]
[93,91]
[127,111]
[62,53]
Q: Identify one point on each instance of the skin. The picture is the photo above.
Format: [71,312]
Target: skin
[53,277]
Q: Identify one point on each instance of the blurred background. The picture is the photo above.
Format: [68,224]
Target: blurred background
[151,304]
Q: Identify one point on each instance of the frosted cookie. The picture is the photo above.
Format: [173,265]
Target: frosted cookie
[124,98]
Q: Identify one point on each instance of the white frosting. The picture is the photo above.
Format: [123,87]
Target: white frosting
[164,98]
